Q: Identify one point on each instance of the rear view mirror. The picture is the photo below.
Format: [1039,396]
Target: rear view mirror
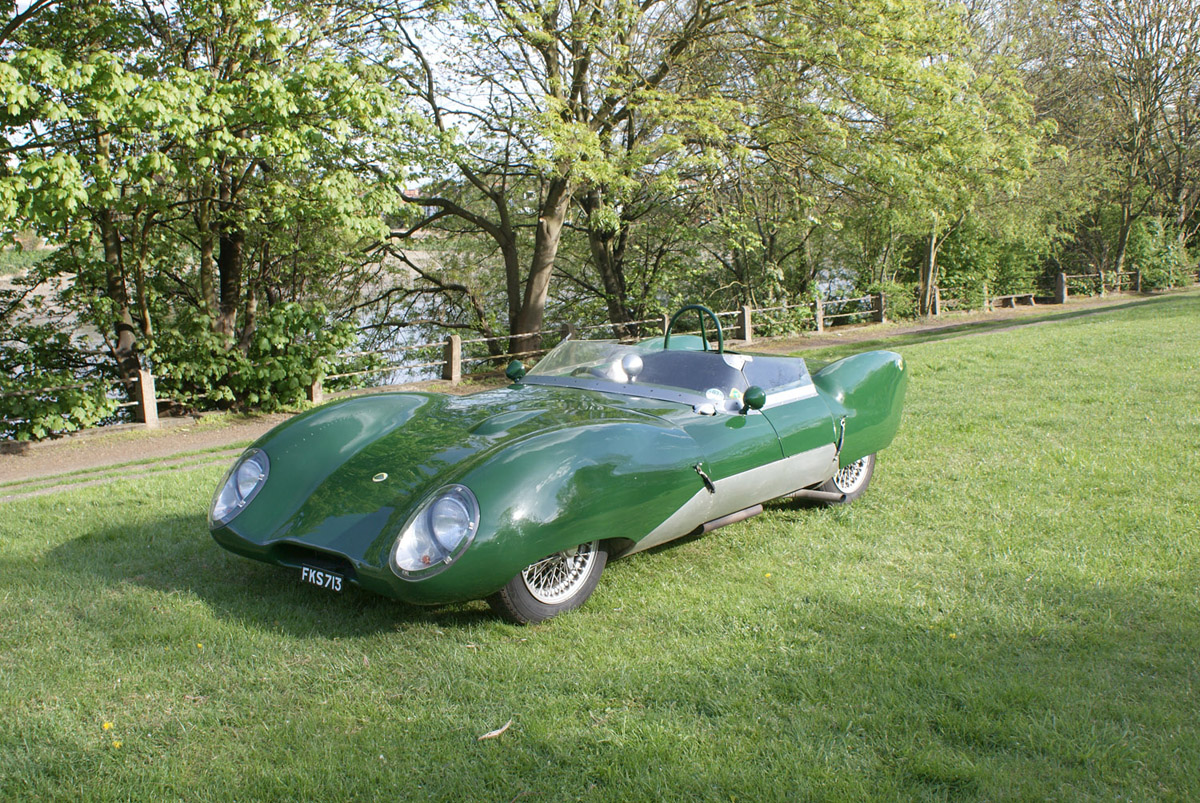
[754,398]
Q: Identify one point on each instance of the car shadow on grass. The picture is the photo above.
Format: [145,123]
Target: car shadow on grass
[176,556]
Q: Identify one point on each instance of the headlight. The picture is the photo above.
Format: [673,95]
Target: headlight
[241,484]
[437,534]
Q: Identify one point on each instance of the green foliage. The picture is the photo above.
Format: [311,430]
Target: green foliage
[198,367]
[968,259]
[48,403]
[901,298]
[887,127]
[218,158]
[795,319]
[368,369]
[17,260]
[976,256]
[46,389]
[1155,250]
[1016,269]
[202,170]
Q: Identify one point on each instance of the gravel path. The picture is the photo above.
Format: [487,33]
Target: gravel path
[105,448]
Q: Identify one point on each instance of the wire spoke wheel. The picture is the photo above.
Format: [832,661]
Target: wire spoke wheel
[555,584]
[852,477]
[560,576]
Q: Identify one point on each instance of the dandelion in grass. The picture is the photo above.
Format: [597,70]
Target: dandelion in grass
[107,726]
[116,745]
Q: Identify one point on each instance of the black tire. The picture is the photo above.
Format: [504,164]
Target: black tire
[851,480]
[555,584]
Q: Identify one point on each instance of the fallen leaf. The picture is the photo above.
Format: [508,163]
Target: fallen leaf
[497,732]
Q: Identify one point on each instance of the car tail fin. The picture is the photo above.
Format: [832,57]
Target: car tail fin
[868,389]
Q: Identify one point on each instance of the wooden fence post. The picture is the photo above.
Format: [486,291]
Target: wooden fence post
[147,401]
[819,315]
[987,299]
[1137,280]
[881,307]
[745,329]
[1060,288]
[452,359]
[316,391]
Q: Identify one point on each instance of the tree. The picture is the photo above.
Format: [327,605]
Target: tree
[1146,57]
[215,159]
[881,111]
[1122,80]
[544,103]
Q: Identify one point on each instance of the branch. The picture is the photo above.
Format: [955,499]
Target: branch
[20,19]
[444,324]
[449,207]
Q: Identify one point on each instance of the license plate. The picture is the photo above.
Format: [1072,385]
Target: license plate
[321,578]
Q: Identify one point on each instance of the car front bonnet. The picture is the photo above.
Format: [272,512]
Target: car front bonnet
[345,477]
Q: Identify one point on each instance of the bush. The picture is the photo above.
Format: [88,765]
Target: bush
[974,255]
[49,387]
[46,388]
[901,298]
[796,318]
[1155,250]
[289,349]
[970,290]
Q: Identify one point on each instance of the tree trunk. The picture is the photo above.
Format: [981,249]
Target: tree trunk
[125,353]
[512,266]
[229,263]
[608,254]
[526,335]
[929,272]
[253,292]
[143,300]
[251,317]
[1127,219]
[1185,208]
[208,287]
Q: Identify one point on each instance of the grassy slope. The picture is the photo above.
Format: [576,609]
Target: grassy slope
[1010,613]
[13,262]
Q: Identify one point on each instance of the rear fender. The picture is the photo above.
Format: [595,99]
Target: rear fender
[868,391]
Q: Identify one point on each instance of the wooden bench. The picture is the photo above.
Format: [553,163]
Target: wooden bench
[1013,300]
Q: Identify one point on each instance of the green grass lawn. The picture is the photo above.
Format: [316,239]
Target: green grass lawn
[13,261]
[1010,613]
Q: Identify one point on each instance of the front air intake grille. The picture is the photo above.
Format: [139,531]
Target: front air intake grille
[297,556]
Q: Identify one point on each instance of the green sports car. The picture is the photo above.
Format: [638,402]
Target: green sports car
[521,495]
